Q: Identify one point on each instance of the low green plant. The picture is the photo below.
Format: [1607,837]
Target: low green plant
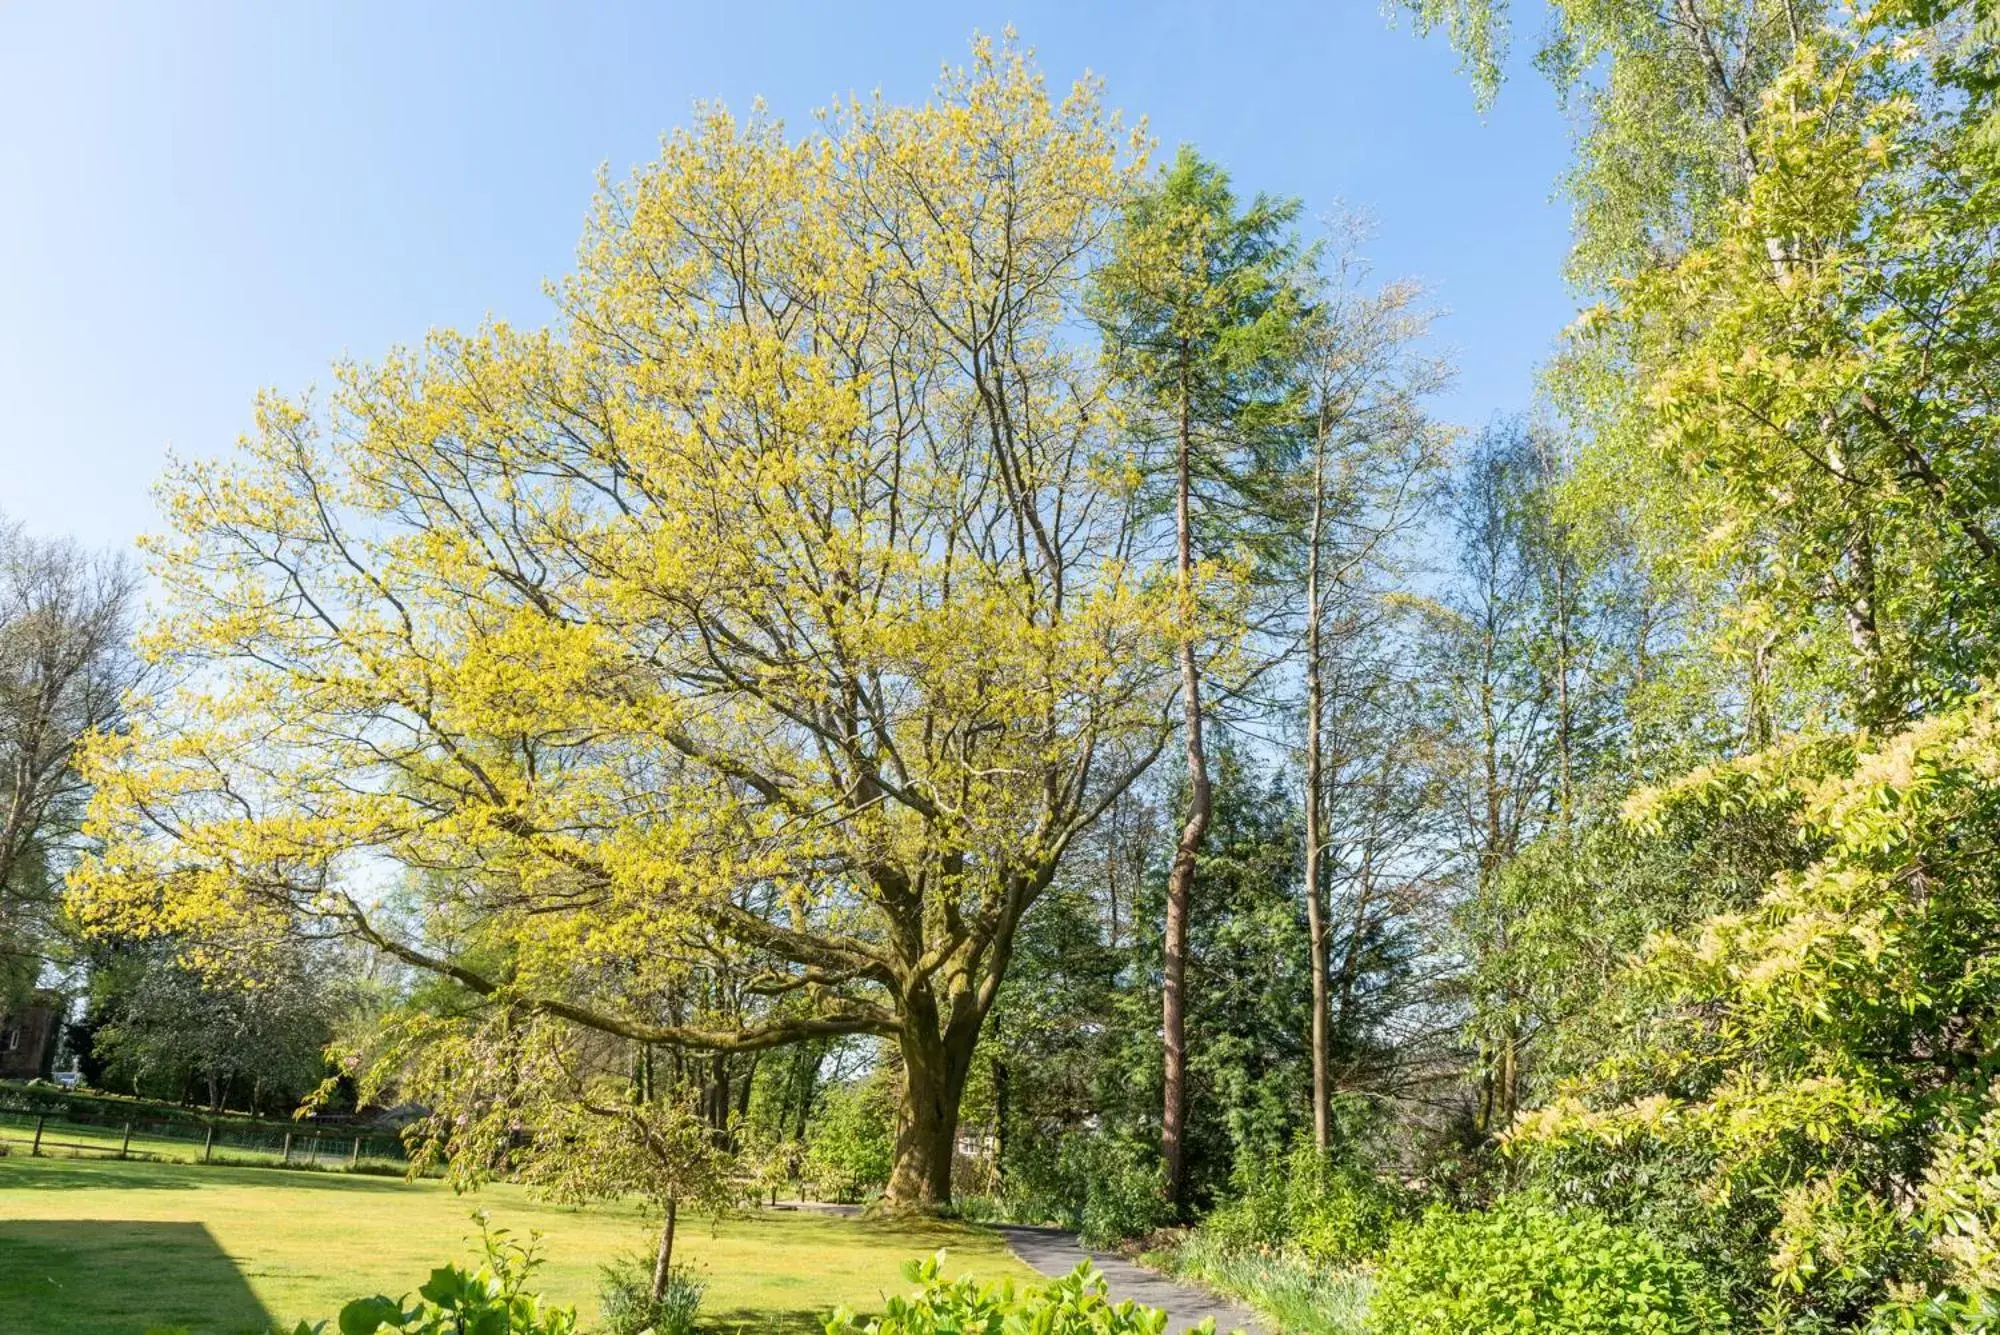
[1330,1210]
[979,1209]
[491,1300]
[1300,1295]
[1521,1268]
[625,1299]
[1076,1304]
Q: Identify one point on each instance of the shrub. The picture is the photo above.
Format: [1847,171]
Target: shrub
[625,1298]
[1123,1200]
[1521,1268]
[849,1146]
[491,1300]
[1105,1189]
[1328,1210]
[978,1209]
[1073,1305]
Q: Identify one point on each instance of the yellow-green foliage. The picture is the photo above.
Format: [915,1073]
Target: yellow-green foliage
[1076,1304]
[784,607]
[1523,1270]
[1819,1057]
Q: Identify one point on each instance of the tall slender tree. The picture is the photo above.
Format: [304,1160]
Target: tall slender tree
[1372,455]
[1202,306]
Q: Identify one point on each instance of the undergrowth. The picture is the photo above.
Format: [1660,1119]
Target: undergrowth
[1302,1297]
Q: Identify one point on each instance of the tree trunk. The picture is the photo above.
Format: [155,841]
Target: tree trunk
[1322,1112]
[809,1061]
[1180,880]
[1000,1075]
[936,1061]
[663,1263]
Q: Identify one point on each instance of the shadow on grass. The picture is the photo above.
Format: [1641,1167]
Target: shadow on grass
[115,1277]
[102,1173]
[53,1173]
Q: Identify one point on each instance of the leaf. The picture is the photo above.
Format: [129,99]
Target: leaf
[365,1316]
[447,1287]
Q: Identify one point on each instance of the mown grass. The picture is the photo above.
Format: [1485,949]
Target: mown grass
[102,1247]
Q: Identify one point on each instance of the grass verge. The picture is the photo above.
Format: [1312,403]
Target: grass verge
[1299,1297]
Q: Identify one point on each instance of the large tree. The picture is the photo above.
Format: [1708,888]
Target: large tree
[65,666]
[782,615]
[1202,307]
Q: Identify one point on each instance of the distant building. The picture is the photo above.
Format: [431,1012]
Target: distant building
[28,1038]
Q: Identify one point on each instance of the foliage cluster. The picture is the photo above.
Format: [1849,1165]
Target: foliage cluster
[1519,1268]
[1104,1186]
[1814,1053]
[491,1299]
[629,1306]
[1297,1292]
[1326,1207]
[849,1150]
[1073,1305]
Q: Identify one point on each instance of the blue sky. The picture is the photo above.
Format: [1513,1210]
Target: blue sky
[200,200]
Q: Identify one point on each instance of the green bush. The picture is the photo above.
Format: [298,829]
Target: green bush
[1526,1270]
[850,1147]
[625,1299]
[1308,1202]
[1124,1200]
[1073,1305]
[491,1300]
[1106,1189]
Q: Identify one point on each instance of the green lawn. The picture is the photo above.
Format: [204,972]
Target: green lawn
[100,1247]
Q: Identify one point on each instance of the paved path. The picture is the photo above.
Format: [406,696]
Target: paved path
[1054,1252]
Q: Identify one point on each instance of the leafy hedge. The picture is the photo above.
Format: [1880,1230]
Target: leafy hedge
[1318,1206]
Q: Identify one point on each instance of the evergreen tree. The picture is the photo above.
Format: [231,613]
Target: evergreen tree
[1202,310]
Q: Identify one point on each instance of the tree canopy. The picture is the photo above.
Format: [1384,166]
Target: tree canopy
[783,617]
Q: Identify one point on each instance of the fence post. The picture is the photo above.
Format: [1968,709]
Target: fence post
[126,1143]
[287,1160]
[36,1149]
[354,1152]
[208,1143]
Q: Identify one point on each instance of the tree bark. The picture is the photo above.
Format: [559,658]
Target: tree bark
[936,1062]
[1180,879]
[1000,1076]
[1315,838]
[663,1262]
